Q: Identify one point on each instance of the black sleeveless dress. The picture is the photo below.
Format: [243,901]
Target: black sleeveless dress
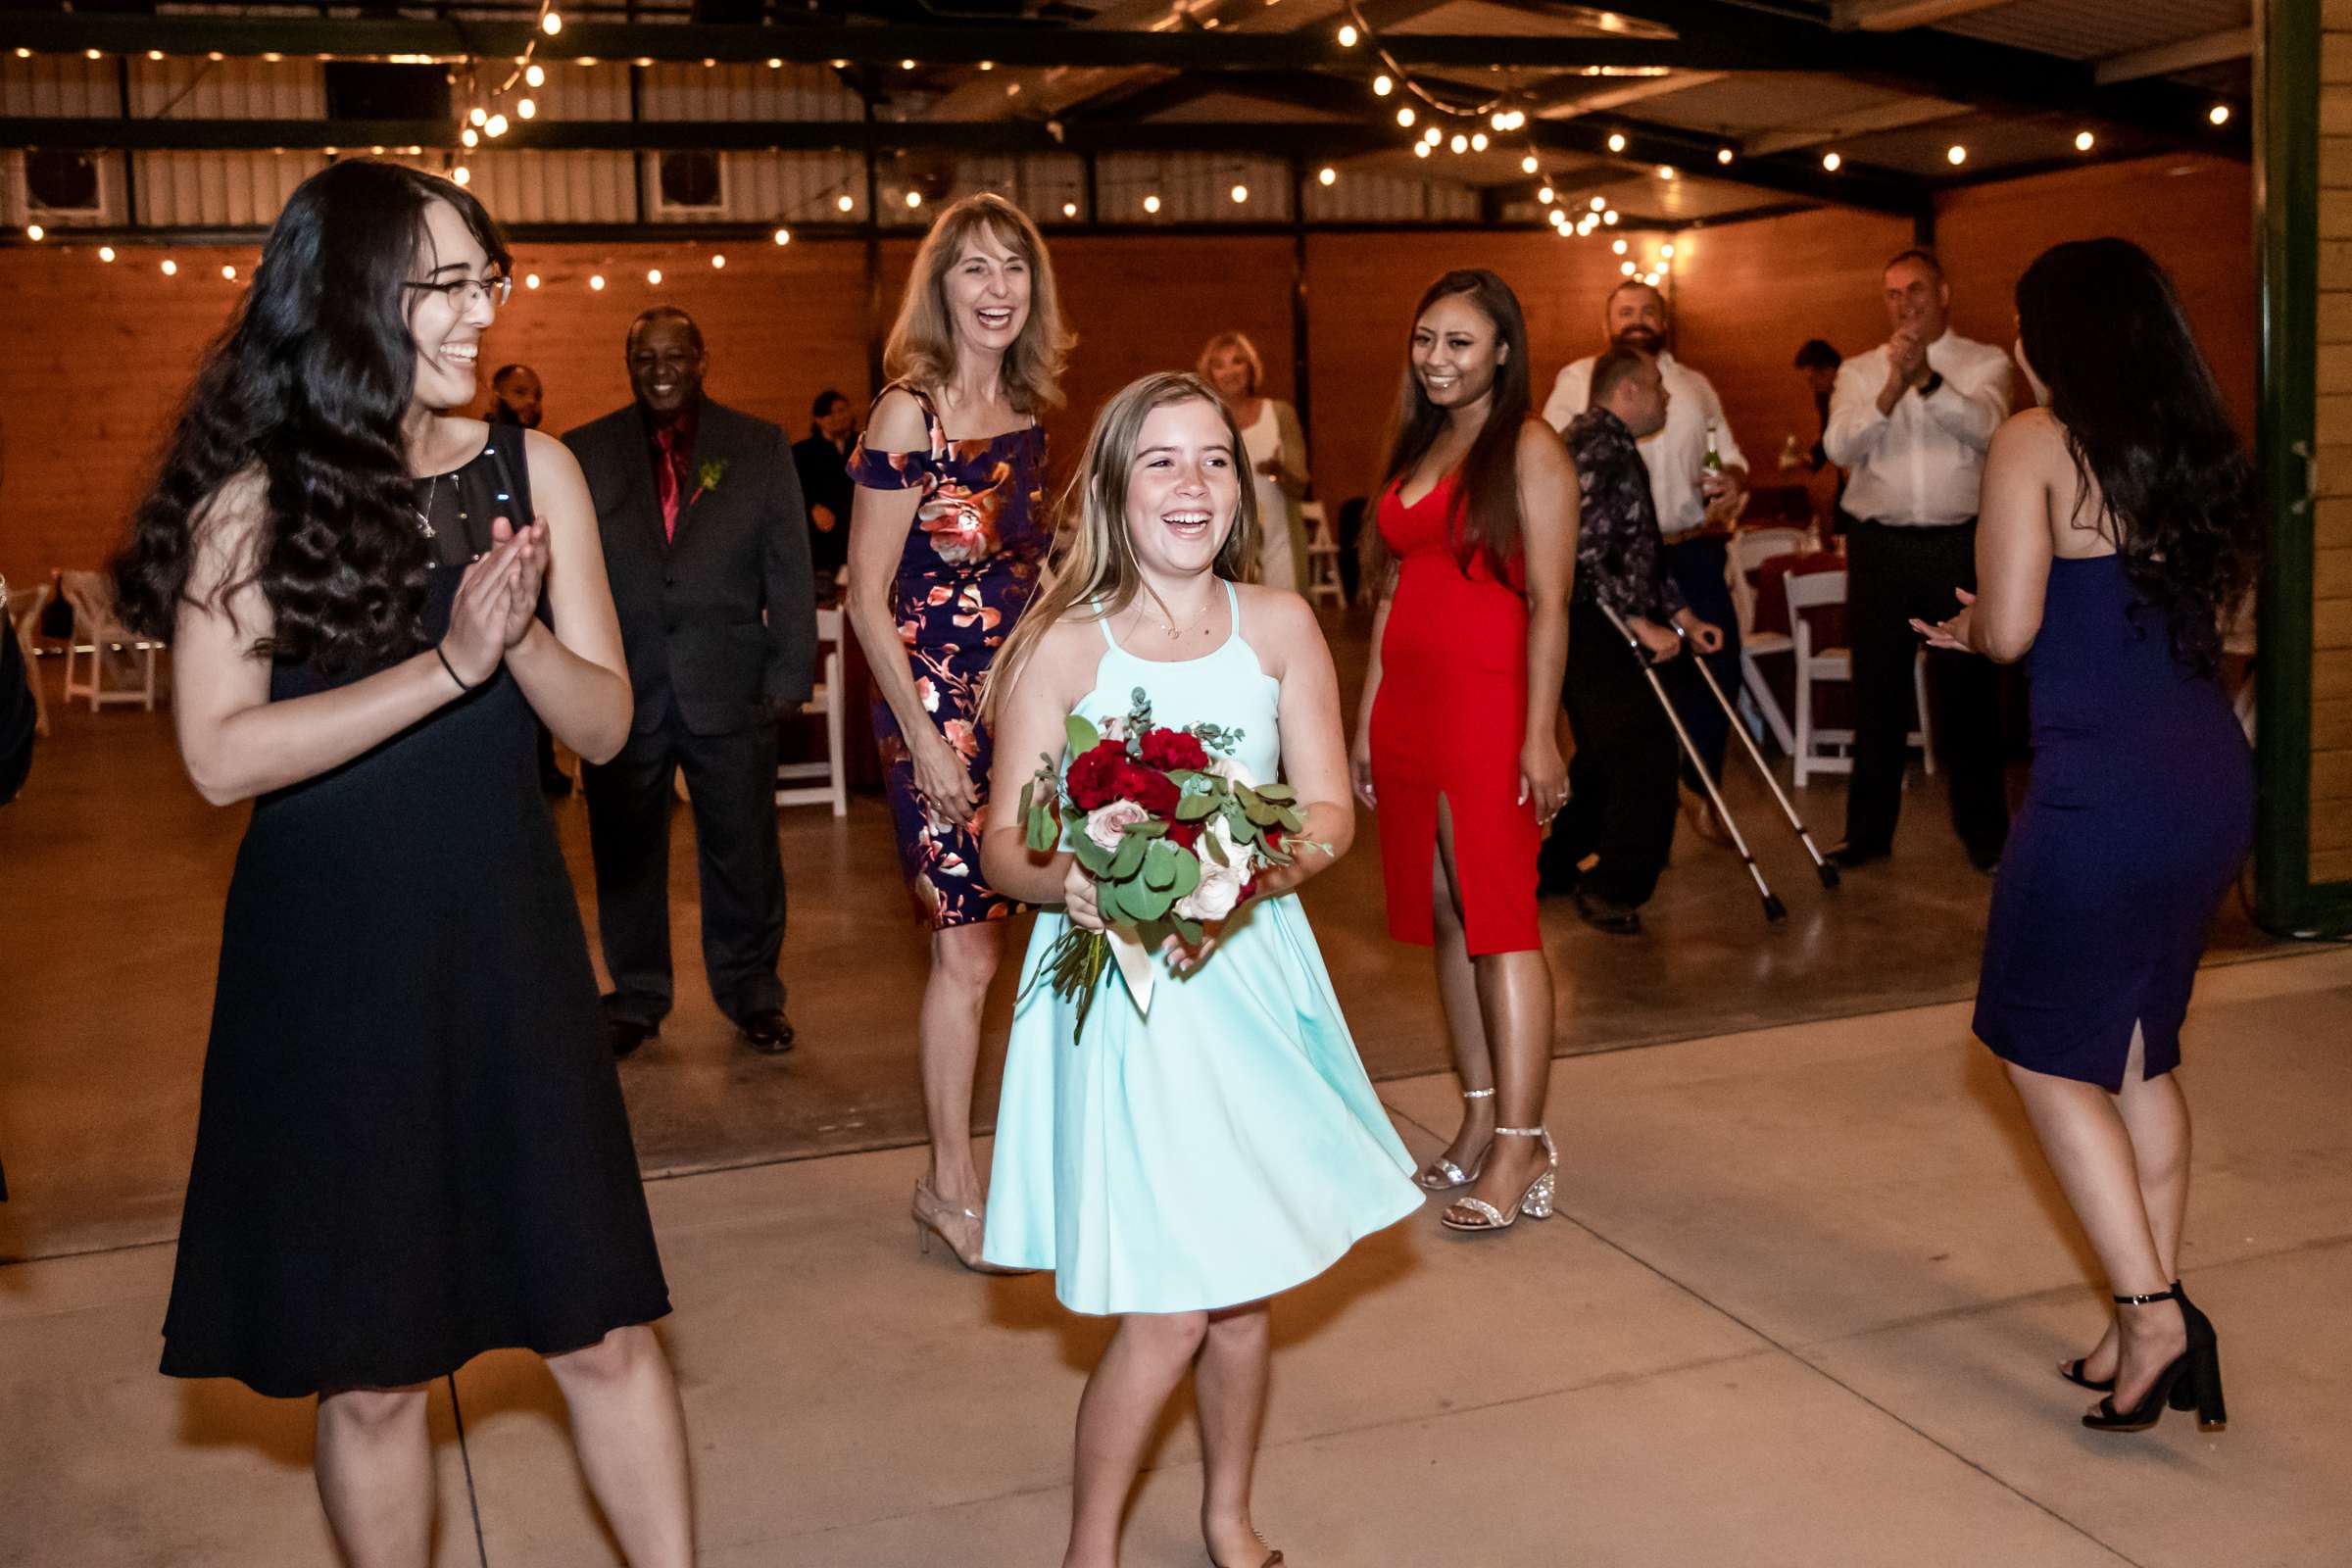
[412,1146]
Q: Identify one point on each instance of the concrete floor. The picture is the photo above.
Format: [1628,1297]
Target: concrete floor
[115,874]
[1799,1308]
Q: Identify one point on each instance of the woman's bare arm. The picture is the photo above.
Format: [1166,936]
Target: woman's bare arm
[1314,743]
[575,676]
[235,742]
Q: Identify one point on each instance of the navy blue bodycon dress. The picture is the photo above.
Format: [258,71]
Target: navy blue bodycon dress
[2138,814]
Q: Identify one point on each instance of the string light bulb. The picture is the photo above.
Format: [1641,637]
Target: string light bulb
[1616,141]
[1420,149]
[2084,141]
[597,282]
[914,199]
[653,275]
[1151,204]
[228,274]
[1544,195]
[1069,209]
[1831,162]
[1599,204]
[1626,269]
[530,281]
[552,23]
[534,75]
[1477,141]
[106,253]
[1241,194]
[1955,155]
[845,201]
[1404,116]
[470,138]
[479,116]
[461,175]
[1347,35]
[782,236]
[526,108]
[1723,155]
[35,232]
[1460,143]
[1666,252]
[1609,218]
[1528,165]
[1618,246]
[1327,175]
[170,268]
[2218,114]
[718,264]
[1383,85]
[497,125]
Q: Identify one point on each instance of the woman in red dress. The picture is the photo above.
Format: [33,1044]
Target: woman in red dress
[1456,745]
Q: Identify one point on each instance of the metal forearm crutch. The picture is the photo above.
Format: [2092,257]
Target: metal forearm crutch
[1821,866]
[1774,909]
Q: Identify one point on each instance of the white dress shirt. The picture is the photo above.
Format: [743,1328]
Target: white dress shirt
[1920,465]
[1676,454]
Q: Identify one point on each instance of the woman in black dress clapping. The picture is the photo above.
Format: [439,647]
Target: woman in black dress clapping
[412,1146]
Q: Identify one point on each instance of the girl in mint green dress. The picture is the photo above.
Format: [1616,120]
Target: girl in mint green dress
[1179,1168]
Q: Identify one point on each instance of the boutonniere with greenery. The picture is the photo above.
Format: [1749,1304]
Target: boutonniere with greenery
[707,479]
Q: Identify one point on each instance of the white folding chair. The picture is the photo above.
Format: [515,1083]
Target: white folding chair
[829,700]
[20,623]
[96,633]
[1811,591]
[1323,581]
[1749,549]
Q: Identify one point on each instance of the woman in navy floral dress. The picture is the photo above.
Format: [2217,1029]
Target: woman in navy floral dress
[947,539]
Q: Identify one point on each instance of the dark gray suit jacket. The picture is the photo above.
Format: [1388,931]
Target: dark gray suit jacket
[721,622]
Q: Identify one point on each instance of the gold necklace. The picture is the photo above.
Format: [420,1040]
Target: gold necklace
[1172,629]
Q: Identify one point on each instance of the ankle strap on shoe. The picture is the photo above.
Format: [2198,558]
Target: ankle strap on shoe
[1477,1094]
[1521,1132]
[2173,1294]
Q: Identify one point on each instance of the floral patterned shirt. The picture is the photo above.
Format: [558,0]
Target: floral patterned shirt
[1620,556]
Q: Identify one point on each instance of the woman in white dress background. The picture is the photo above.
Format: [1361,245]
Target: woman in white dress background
[1277,446]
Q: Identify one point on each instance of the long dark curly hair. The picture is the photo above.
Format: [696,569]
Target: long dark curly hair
[2103,329]
[1488,500]
[308,386]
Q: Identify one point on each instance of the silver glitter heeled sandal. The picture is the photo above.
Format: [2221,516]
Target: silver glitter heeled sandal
[1534,1204]
[1443,1175]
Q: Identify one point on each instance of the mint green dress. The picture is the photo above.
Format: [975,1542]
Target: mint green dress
[1226,1146]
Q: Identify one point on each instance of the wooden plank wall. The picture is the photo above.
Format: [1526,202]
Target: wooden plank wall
[2331,575]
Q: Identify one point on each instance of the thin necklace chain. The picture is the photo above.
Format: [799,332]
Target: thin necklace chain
[1174,631]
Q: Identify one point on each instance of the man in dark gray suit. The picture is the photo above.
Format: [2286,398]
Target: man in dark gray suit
[708,550]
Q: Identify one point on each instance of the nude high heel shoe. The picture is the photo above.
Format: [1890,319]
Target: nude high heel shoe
[961,1228]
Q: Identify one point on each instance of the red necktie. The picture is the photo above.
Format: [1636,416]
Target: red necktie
[666,478]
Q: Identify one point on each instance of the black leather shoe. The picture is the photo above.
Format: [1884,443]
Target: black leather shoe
[769,1031]
[1984,860]
[1847,856]
[626,1035]
[1607,914]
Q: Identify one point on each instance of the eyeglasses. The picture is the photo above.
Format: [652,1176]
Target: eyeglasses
[465,293]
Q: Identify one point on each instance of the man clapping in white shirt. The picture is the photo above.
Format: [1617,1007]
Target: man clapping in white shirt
[1911,420]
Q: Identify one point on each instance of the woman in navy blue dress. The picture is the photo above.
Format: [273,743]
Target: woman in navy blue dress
[946,536]
[2118,534]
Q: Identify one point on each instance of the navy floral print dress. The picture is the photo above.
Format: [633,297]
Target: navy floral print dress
[969,568]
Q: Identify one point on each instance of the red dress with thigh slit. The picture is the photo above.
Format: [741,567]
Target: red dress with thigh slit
[1448,724]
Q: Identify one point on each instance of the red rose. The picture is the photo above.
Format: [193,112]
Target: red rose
[1184,835]
[1173,749]
[1094,779]
[1148,788]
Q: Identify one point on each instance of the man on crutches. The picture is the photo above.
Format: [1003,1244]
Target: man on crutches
[1620,781]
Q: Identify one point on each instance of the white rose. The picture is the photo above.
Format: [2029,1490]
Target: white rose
[1219,891]
[1107,823]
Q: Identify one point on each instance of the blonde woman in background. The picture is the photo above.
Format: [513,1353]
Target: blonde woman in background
[947,534]
[1277,455]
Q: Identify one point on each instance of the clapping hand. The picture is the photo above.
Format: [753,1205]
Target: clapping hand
[1952,635]
[476,639]
[530,572]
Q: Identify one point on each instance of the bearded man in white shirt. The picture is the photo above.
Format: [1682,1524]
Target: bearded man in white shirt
[1695,505]
[1911,420]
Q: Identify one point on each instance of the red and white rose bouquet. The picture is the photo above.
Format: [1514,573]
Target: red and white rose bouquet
[1170,827]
